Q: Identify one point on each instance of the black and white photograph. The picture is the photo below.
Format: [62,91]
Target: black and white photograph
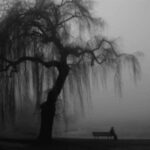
[74,74]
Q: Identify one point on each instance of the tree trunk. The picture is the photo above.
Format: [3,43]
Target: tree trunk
[47,118]
[48,107]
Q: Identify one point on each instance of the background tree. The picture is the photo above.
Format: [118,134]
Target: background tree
[53,45]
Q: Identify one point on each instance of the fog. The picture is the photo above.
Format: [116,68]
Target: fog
[128,22]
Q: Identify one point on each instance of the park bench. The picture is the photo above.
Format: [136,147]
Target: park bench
[108,135]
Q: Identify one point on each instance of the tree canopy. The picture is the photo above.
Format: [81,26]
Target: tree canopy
[38,37]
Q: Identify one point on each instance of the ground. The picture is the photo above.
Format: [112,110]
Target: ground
[76,144]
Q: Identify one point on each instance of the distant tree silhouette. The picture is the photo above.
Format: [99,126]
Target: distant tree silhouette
[48,43]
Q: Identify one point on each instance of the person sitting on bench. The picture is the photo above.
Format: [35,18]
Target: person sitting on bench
[112,132]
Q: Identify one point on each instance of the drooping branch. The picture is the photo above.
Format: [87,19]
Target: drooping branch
[63,3]
[13,64]
[68,19]
[99,53]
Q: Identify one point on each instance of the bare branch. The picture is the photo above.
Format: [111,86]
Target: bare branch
[13,64]
[68,19]
[64,3]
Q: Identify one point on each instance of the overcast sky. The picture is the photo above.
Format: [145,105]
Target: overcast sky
[129,21]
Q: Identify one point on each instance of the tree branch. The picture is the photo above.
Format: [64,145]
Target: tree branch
[13,64]
[101,58]
[69,18]
[65,2]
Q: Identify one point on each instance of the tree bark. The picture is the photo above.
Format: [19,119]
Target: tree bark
[48,107]
[47,117]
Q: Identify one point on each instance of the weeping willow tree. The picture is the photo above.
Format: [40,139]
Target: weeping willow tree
[54,46]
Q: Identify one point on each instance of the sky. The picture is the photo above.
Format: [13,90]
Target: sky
[127,21]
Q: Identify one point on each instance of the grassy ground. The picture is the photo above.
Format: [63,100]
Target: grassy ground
[76,144]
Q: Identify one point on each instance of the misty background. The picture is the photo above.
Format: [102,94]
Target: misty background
[128,22]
